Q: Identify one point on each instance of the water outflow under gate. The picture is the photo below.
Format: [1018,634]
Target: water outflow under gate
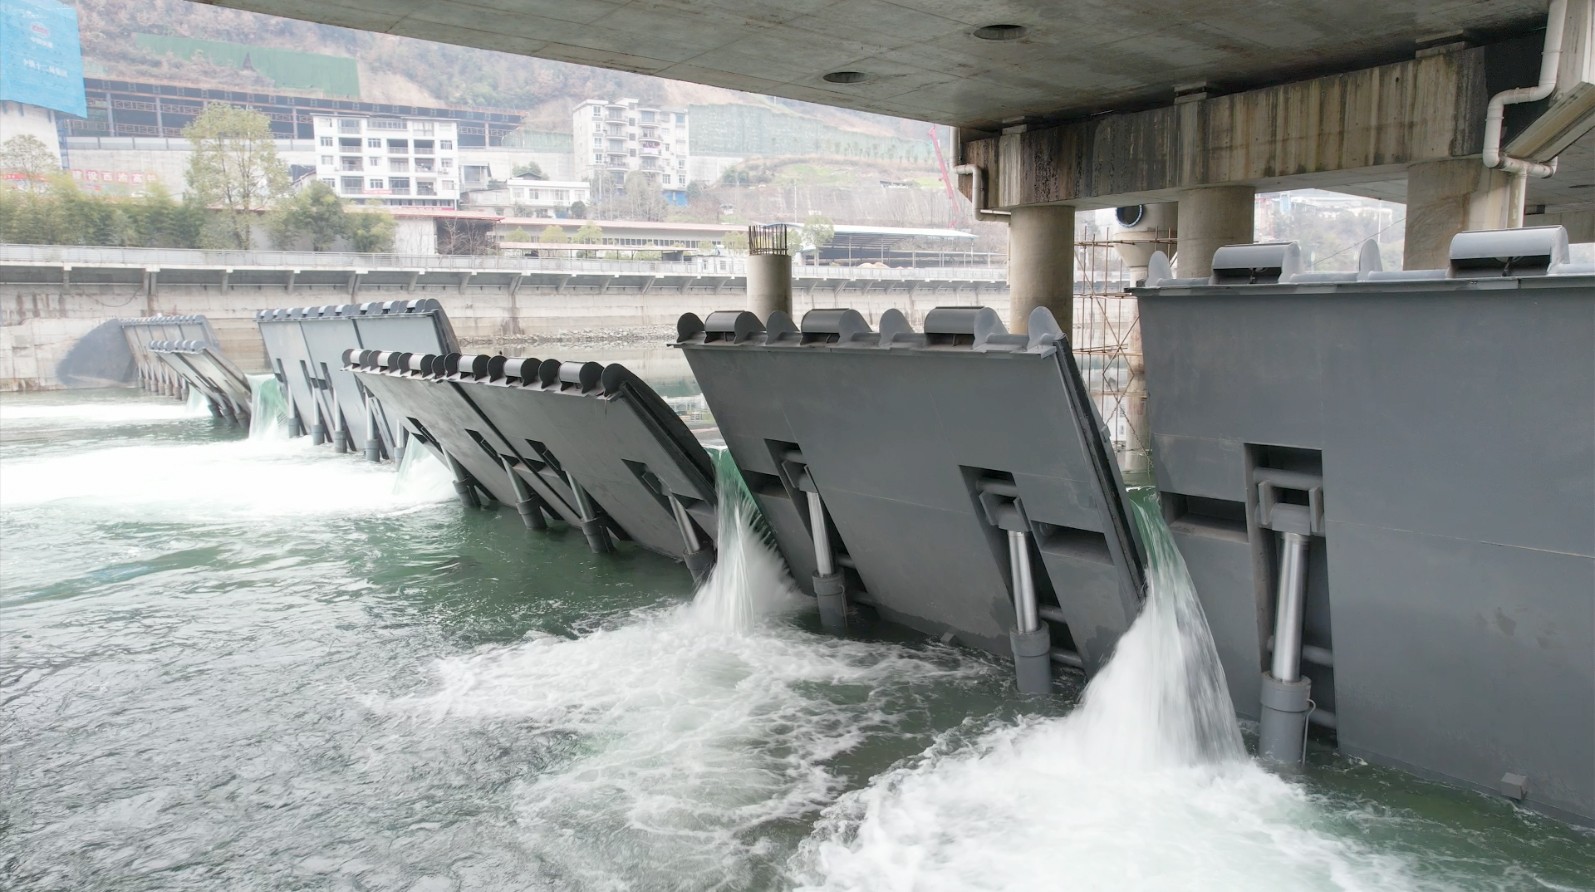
[749,581]
[268,408]
[1146,784]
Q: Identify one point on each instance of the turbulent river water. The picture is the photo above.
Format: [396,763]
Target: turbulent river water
[235,663]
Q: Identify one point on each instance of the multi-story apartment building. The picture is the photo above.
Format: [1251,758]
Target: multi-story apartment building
[404,162]
[619,136]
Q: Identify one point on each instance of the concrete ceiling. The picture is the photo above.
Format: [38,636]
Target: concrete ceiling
[920,57]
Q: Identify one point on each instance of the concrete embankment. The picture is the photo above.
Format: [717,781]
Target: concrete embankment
[51,297]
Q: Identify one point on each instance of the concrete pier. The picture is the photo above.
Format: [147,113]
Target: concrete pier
[1041,264]
[1452,196]
[1210,218]
[769,284]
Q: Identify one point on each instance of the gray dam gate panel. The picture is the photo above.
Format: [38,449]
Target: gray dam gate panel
[581,442]
[305,348]
[1437,428]
[929,452]
[224,386]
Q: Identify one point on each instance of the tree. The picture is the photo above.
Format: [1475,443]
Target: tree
[314,213]
[234,167]
[589,234]
[28,160]
[553,235]
[371,231]
[529,169]
[518,235]
[640,198]
[735,242]
[578,210]
[818,231]
[705,247]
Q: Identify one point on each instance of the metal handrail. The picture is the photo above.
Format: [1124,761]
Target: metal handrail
[71,255]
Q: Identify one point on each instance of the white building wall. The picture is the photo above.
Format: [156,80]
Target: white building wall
[17,119]
[623,135]
[398,161]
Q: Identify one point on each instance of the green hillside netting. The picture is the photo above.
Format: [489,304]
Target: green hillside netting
[538,141]
[753,130]
[313,72]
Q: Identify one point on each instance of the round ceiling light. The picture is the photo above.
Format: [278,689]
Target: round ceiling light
[846,77]
[1000,32]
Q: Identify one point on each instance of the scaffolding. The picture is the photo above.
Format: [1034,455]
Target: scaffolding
[1107,335]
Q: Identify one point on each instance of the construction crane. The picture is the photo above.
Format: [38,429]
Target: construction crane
[956,216]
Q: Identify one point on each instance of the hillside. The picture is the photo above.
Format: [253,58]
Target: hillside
[135,41]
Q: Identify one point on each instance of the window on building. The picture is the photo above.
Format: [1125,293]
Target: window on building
[423,147]
[562,195]
[323,122]
[447,185]
[447,164]
[352,185]
[399,185]
[376,160]
[326,160]
[376,184]
[398,165]
[399,146]
[373,143]
[446,145]
[681,118]
[329,182]
[598,111]
[426,187]
[326,141]
[598,157]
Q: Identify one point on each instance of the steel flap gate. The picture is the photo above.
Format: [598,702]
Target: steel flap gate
[1426,437]
[226,389]
[305,347]
[945,460]
[153,372]
[590,444]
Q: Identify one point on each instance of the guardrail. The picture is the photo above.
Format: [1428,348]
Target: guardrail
[706,266]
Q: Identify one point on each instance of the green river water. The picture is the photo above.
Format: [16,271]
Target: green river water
[234,663]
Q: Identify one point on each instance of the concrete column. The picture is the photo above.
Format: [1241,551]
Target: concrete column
[1452,196]
[769,284]
[1041,264]
[1210,218]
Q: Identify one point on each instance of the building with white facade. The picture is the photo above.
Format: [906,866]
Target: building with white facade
[402,162]
[620,136]
[529,197]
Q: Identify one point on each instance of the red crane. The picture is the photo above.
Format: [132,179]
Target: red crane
[956,218]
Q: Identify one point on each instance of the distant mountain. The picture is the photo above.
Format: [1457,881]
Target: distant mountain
[185,42]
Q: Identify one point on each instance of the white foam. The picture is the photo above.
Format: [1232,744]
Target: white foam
[750,582]
[206,482]
[687,734]
[1144,786]
[26,414]
[268,408]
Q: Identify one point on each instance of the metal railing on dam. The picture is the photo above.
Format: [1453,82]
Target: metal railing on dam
[17,260]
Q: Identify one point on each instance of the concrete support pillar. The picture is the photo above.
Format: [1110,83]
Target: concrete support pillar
[769,284]
[1452,196]
[1210,218]
[1041,264]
